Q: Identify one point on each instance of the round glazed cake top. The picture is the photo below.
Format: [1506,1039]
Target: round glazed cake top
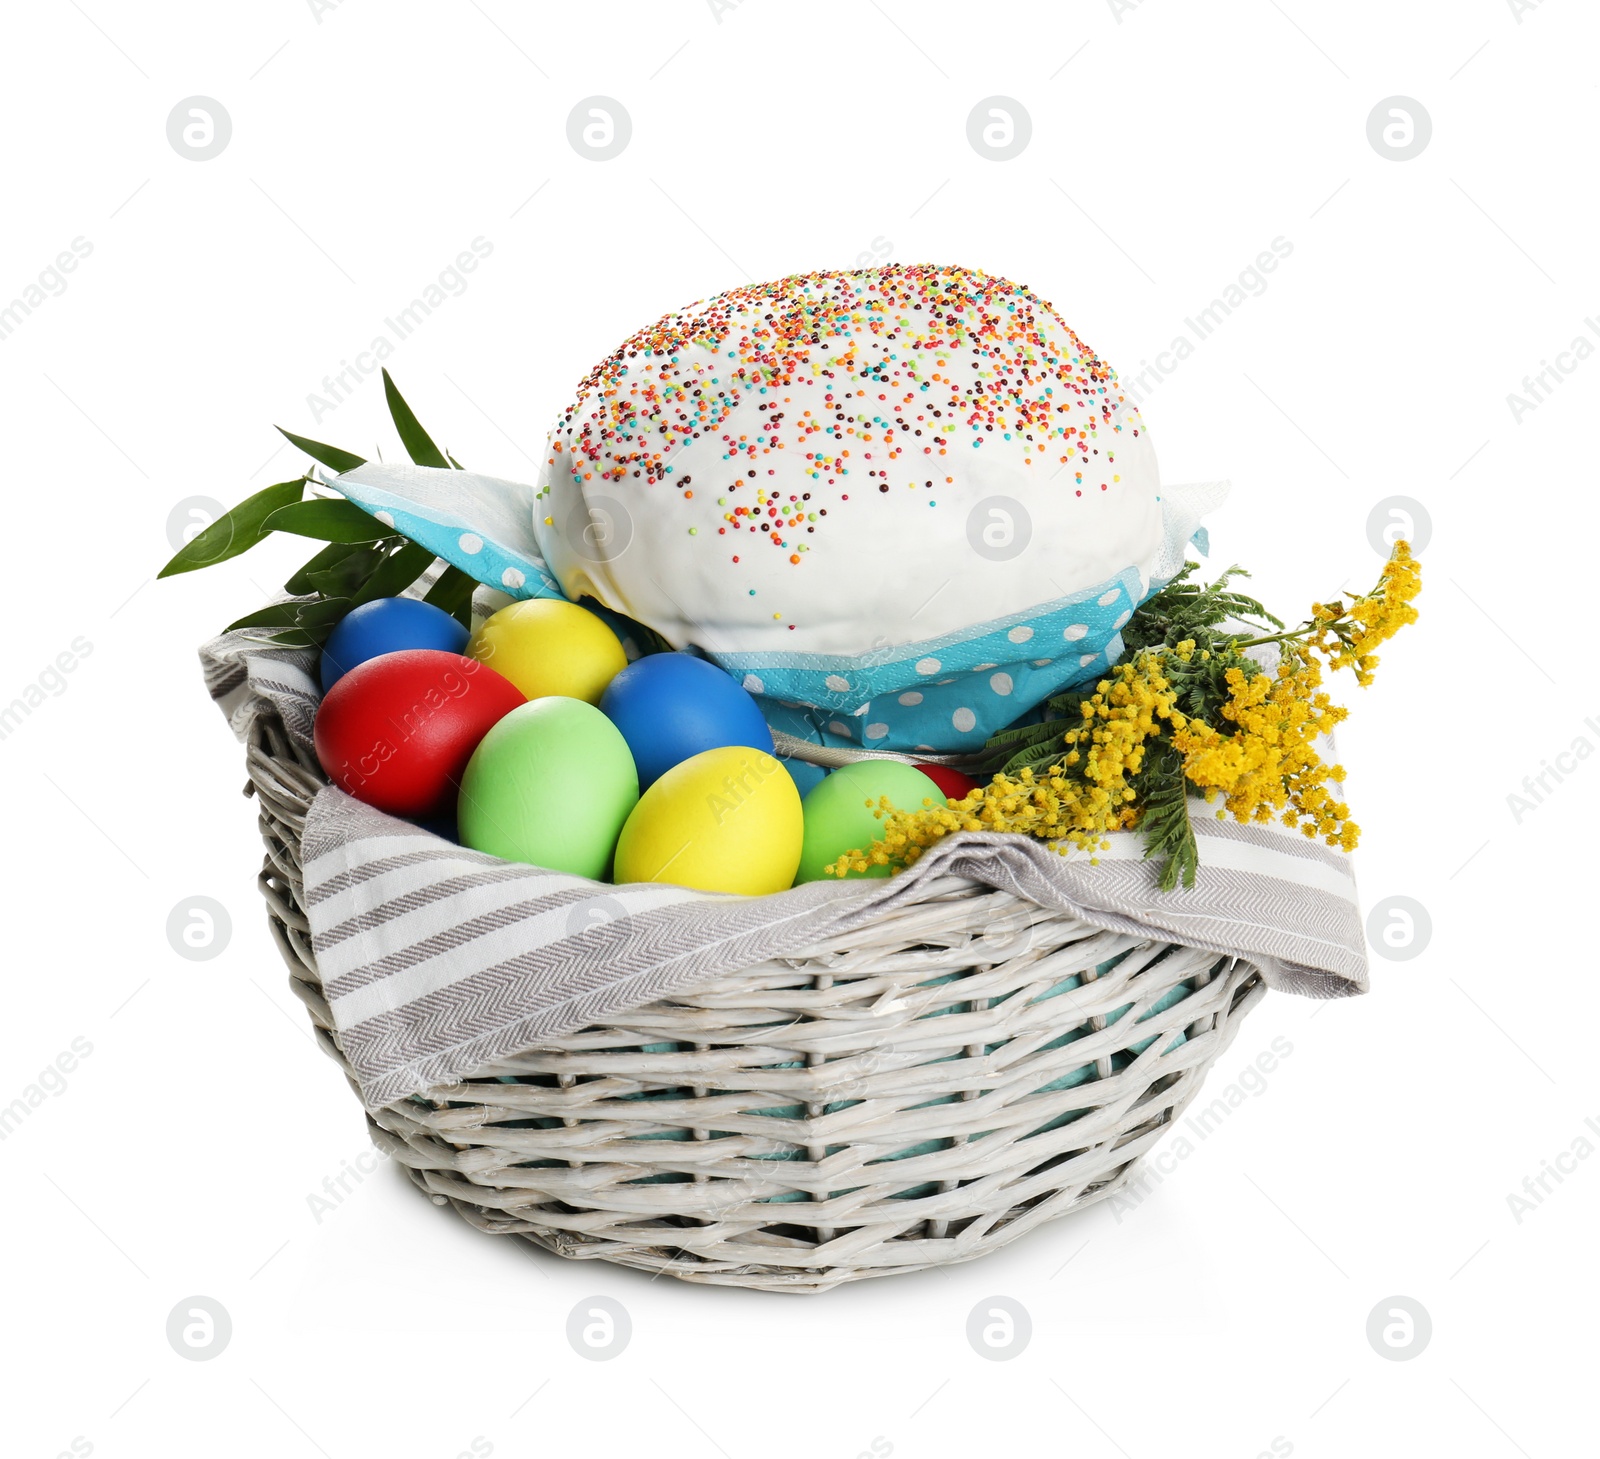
[842,460]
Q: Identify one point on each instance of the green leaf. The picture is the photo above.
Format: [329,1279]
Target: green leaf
[395,575]
[453,592]
[418,443]
[321,613]
[346,578]
[1028,734]
[236,532]
[1187,609]
[1164,820]
[332,519]
[330,456]
[332,554]
[274,615]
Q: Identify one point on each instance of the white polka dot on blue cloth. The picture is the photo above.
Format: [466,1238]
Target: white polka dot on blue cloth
[470,543]
[961,691]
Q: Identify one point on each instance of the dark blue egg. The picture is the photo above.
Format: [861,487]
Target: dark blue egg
[385,626]
[672,706]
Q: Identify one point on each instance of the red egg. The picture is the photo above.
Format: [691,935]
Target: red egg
[398,730]
[952,782]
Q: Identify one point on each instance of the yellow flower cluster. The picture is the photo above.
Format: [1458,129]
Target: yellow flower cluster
[1369,620]
[1269,763]
[1261,759]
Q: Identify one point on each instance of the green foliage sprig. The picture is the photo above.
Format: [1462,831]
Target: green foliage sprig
[363,560]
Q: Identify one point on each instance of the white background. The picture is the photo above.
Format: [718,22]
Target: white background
[1171,144]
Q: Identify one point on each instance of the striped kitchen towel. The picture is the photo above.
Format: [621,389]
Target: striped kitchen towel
[437,960]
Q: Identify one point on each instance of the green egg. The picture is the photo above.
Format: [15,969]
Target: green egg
[550,784]
[838,818]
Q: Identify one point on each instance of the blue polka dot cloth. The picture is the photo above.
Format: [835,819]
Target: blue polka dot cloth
[949,694]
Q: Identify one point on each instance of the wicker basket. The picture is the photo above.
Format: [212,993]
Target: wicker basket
[883,1103]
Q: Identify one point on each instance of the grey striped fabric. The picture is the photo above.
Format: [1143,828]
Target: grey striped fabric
[438,960]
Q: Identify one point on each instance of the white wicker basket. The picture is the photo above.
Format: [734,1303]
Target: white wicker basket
[906,1098]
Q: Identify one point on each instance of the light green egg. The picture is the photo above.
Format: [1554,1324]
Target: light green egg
[551,784]
[838,818]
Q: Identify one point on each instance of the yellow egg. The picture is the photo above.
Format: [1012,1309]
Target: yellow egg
[548,646]
[725,820]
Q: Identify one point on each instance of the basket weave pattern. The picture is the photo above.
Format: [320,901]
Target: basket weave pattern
[910,1096]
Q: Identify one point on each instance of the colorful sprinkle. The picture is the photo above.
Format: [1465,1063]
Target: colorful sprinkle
[907,360]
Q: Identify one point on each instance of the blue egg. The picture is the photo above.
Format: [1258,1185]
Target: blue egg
[806,776]
[671,706]
[385,626]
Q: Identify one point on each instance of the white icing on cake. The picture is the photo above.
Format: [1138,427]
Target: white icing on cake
[1017,473]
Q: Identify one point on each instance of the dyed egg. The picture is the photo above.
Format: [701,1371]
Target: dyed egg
[398,730]
[725,820]
[672,706]
[551,784]
[951,783]
[839,818]
[385,626]
[549,646]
